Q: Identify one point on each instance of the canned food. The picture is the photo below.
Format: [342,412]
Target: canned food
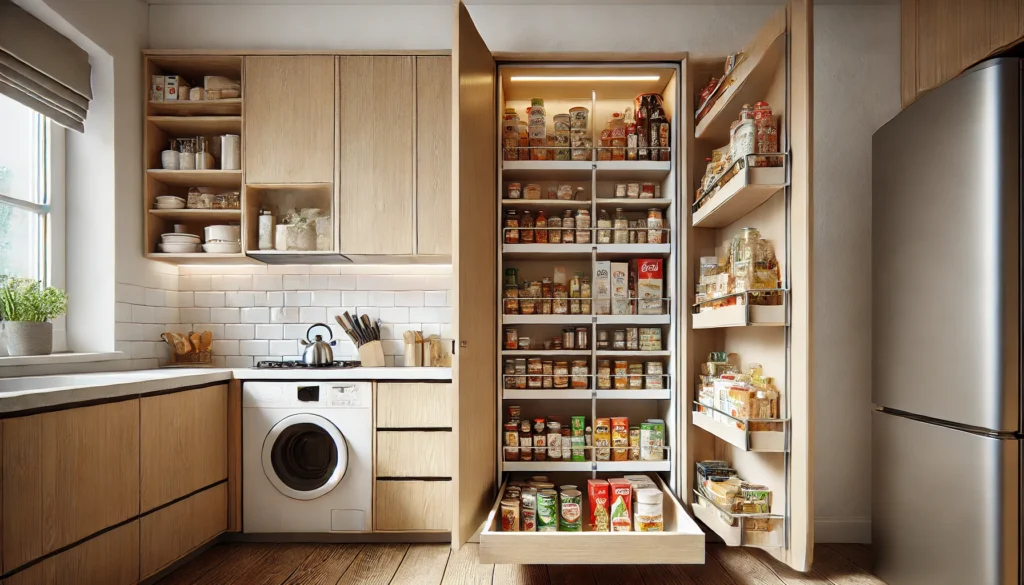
[510,515]
[528,509]
[571,511]
[547,510]
[647,191]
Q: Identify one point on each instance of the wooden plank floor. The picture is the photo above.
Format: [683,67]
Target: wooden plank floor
[433,564]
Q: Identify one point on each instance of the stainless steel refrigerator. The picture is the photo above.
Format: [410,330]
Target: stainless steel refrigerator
[946,328]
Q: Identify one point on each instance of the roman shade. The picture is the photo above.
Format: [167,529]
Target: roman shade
[42,69]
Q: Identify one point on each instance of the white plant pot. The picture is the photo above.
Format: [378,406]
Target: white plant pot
[28,338]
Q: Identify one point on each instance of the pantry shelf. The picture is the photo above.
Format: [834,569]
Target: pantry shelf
[634,466]
[632,170]
[206,178]
[633,394]
[612,353]
[751,187]
[634,319]
[617,251]
[547,170]
[197,125]
[546,394]
[225,107]
[548,466]
[741,316]
[722,524]
[544,352]
[761,441]
[199,258]
[529,203]
[546,251]
[197,215]
[613,202]
[547,319]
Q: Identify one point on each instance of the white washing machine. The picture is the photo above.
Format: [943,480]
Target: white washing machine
[307,452]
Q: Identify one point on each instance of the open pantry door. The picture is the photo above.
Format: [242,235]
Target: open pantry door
[474,265]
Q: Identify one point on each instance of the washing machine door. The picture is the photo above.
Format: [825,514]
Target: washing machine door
[305,456]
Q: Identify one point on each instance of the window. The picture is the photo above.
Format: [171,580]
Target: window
[31,194]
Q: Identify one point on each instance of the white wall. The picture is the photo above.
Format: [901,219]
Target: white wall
[856,90]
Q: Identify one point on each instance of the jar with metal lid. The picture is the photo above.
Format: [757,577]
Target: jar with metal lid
[546,293]
[621,374]
[620,225]
[602,339]
[549,370]
[561,379]
[604,225]
[524,342]
[534,370]
[583,226]
[568,228]
[515,191]
[560,306]
[604,375]
[541,223]
[511,223]
[525,441]
[585,303]
[568,339]
[580,373]
[526,225]
[619,339]
[554,229]
[582,338]
[654,225]
[511,300]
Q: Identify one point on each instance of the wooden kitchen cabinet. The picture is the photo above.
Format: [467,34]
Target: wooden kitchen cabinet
[414,405]
[414,454]
[376,104]
[172,532]
[434,155]
[942,38]
[184,443]
[413,506]
[112,558]
[67,475]
[289,119]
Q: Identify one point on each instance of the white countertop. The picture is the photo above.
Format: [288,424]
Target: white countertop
[41,392]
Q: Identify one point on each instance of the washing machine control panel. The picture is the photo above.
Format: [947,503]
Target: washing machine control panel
[311,394]
[346,397]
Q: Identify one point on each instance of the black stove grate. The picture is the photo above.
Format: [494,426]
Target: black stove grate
[297,365]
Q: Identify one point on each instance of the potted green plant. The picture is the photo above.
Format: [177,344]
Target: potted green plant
[27,308]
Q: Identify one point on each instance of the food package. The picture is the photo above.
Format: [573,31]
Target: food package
[597,494]
[650,338]
[650,276]
[528,511]
[757,499]
[602,439]
[156,88]
[602,287]
[619,276]
[652,440]
[175,88]
[577,439]
[620,438]
[620,495]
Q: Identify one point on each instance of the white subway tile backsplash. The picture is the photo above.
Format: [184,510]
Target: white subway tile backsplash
[394,315]
[342,282]
[152,332]
[239,331]
[182,328]
[238,361]
[143,314]
[326,298]
[240,299]
[209,299]
[287,269]
[373,282]
[312,315]
[396,330]
[381,299]
[392,347]
[224,316]
[319,282]
[275,299]
[267,282]
[122,312]
[129,293]
[282,346]
[284,314]
[296,282]
[408,282]
[294,332]
[127,331]
[437,282]
[298,299]
[429,329]
[409,299]
[253,347]
[325,269]
[430,315]
[354,298]
[156,297]
[235,282]
[256,315]
[167,314]
[198,282]
[215,329]
[225,346]
[435,298]
[149,349]
[180,299]
[269,331]
[259,299]
[372,312]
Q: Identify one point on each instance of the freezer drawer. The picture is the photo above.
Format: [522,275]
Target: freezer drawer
[945,504]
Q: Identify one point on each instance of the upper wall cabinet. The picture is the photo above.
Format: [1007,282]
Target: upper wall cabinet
[289,119]
[434,155]
[942,38]
[376,111]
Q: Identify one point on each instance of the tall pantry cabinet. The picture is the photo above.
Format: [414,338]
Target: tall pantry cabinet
[775,67]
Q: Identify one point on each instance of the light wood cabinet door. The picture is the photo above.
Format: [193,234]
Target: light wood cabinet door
[66,475]
[434,155]
[170,533]
[289,119]
[414,405]
[409,506]
[375,154]
[414,454]
[112,558]
[184,443]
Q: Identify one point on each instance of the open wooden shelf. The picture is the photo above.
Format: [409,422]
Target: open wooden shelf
[197,125]
[613,202]
[199,258]
[547,319]
[198,215]
[529,203]
[543,352]
[225,107]
[207,178]
[751,187]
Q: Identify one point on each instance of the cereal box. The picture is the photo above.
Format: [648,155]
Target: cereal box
[602,287]
[620,513]
[602,439]
[650,276]
[597,494]
[620,438]
[620,288]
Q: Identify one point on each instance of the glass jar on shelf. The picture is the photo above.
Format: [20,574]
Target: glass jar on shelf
[620,224]
[568,228]
[541,224]
[583,226]
[526,228]
[511,227]
[604,225]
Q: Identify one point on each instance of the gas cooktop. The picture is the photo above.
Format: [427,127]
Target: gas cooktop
[297,365]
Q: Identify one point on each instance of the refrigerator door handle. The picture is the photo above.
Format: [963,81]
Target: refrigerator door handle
[991,434]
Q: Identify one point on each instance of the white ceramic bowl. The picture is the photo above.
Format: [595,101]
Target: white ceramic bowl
[223,233]
[179,248]
[170,202]
[190,239]
[222,248]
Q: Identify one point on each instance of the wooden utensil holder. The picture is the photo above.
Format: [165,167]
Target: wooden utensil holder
[371,355]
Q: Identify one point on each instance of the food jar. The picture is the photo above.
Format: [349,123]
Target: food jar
[580,373]
[568,228]
[511,338]
[511,227]
[554,229]
[621,374]
[548,369]
[535,371]
[520,373]
[526,227]
[541,232]
[568,339]
[604,375]
[511,299]
[582,336]
[602,339]
[654,225]
[561,375]
[619,339]
[604,224]
[515,190]
[620,225]
[583,226]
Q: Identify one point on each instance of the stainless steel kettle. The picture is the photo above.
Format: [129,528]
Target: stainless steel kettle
[318,352]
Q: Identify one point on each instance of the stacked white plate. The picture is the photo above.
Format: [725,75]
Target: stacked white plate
[169,202]
[223,239]
[179,243]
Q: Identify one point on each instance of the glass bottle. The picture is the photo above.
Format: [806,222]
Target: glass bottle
[526,223]
[568,228]
[604,224]
[541,233]
[621,226]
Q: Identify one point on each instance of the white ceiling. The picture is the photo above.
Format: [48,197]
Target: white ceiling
[514,2]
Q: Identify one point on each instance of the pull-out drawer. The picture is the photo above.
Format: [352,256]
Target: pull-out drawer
[413,506]
[682,542]
[416,405]
[414,454]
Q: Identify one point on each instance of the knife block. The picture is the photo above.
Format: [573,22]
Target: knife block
[371,355]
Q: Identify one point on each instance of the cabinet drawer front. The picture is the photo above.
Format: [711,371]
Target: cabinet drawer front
[170,533]
[111,558]
[184,443]
[419,405]
[67,475]
[413,506]
[414,454]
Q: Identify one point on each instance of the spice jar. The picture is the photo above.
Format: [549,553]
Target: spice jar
[525,441]
[568,228]
[554,229]
[654,225]
[568,339]
[561,375]
[511,225]
[604,224]
[526,228]
[579,194]
[604,375]
[515,191]
[546,293]
[580,373]
[541,233]
[583,226]
[620,224]
[582,335]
